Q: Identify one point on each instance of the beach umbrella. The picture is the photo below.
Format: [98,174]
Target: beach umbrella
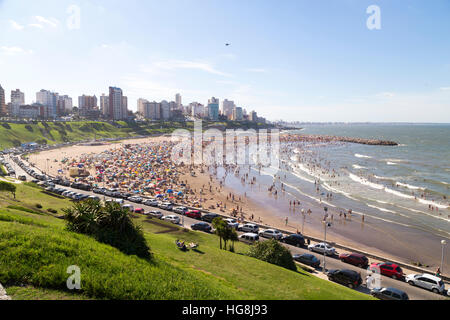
[169,191]
[159,196]
[180,193]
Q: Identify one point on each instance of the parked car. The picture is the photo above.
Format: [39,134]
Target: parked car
[232,223]
[95,198]
[355,259]
[172,218]
[322,248]
[249,227]
[156,214]
[202,226]
[138,210]
[209,217]
[294,239]
[270,234]
[129,207]
[151,202]
[349,278]
[388,269]
[23,178]
[194,214]
[249,237]
[308,259]
[135,199]
[180,210]
[166,206]
[426,281]
[389,294]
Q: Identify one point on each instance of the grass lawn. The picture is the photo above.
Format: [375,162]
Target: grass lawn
[35,251]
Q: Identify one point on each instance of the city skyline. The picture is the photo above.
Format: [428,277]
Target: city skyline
[293,61]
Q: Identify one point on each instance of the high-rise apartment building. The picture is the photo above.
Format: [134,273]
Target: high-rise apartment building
[178,100]
[49,100]
[17,100]
[87,102]
[124,107]
[141,106]
[237,114]
[115,104]
[165,110]
[197,109]
[227,108]
[3,108]
[104,105]
[213,109]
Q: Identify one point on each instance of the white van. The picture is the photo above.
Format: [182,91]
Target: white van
[129,207]
[249,237]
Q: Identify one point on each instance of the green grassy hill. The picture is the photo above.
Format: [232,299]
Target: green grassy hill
[14,134]
[35,251]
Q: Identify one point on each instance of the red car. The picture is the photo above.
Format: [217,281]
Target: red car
[194,214]
[388,269]
[139,210]
[355,259]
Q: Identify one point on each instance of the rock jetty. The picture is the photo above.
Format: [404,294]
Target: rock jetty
[319,138]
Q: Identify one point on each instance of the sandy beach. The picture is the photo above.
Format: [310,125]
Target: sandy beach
[245,193]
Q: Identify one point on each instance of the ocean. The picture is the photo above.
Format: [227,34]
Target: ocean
[407,185]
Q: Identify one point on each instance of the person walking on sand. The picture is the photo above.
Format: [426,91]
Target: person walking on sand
[286,220]
[438,272]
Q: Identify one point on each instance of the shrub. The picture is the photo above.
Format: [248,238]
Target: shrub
[38,205]
[110,224]
[6,125]
[52,210]
[8,187]
[273,252]
[29,128]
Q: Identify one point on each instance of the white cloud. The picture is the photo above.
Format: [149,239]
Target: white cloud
[257,70]
[16,25]
[52,22]
[444,88]
[36,25]
[12,51]
[183,64]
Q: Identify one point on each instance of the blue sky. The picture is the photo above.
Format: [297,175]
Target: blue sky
[299,60]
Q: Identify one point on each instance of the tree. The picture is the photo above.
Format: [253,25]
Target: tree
[110,224]
[8,187]
[233,237]
[273,252]
[221,230]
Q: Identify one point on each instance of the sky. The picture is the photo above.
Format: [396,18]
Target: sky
[296,60]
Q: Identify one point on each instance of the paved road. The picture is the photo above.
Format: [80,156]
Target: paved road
[414,293]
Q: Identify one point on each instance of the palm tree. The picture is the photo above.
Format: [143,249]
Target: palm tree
[232,236]
[221,230]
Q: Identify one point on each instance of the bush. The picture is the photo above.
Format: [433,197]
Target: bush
[110,224]
[29,128]
[52,210]
[39,206]
[6,125]
[273,252]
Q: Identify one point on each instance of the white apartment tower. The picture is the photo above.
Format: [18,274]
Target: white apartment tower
[115,104]
[17,100]
[104,105]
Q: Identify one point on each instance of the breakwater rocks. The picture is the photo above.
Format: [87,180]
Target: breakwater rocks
[319,138]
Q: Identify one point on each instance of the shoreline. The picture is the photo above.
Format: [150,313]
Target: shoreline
[369,236]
